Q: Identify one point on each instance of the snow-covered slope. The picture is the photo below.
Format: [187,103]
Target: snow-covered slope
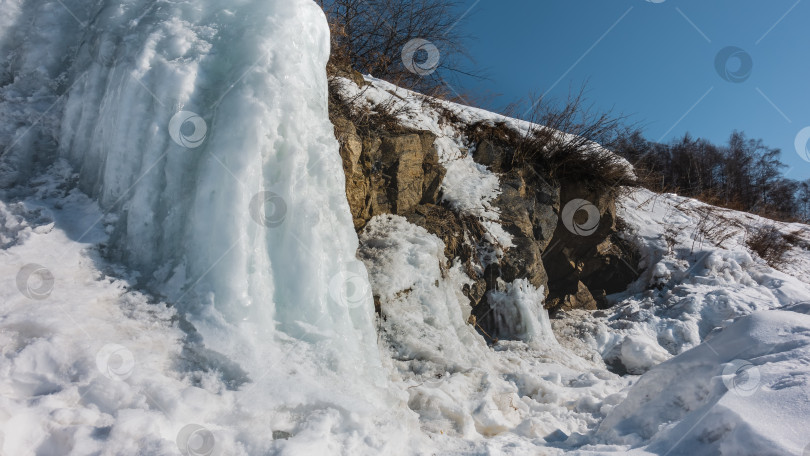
[178,271]
[745,391]
[698,275]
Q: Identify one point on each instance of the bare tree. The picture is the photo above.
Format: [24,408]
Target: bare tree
[803,201]
[370,35]
[745,174]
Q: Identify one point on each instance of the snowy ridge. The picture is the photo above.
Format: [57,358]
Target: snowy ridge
[169,313]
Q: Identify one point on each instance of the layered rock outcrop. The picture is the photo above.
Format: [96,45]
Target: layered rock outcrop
[388,173]
[393,170]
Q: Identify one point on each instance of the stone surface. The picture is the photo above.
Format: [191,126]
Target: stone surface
[387,173]
[601,260]
[528,214]
[397,171]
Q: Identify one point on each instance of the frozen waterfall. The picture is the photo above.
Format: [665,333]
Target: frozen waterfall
[202,130]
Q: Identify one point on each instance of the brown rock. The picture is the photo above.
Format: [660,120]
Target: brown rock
[402,158]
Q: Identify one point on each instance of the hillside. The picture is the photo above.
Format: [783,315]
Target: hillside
[209,246]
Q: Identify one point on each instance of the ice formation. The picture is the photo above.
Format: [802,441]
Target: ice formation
[204,130]
[235,318]
[201,130]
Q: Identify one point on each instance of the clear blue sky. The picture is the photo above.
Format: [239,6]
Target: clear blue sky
[654,61]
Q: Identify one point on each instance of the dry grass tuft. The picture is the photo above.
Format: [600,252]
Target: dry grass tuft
[569,143]
[770,244]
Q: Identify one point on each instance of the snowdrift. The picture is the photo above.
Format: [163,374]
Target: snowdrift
[180,275]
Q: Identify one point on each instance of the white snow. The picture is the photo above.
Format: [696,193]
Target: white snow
[745,391]
[515,395]
[698,275]
[173,308]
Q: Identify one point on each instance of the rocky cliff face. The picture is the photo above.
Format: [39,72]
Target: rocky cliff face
[388,172]
[566,231]
[391,169]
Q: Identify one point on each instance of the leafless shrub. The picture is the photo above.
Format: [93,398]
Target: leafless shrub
[570,143]
[369,35]
[382,117]
[770,244]
[795,238]
[713,226]
[573,142]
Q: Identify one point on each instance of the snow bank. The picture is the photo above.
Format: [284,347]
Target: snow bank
[88,365]
[697,275]
[469,397]
[743,392]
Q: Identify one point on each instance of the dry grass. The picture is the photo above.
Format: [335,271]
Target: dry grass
[572,142]
[713,225]
[569,143]
[380,118]
[770,244]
